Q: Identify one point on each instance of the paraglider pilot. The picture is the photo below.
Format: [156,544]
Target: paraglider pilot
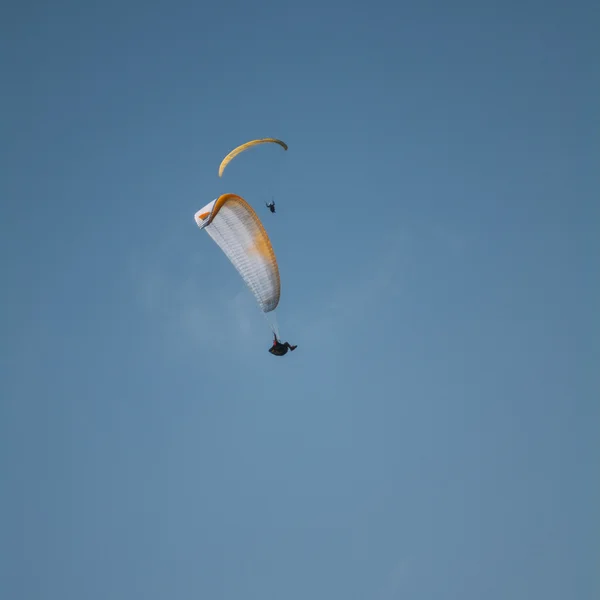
[279,349]
[271,206]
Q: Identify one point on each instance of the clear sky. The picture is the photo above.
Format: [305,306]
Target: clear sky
[436,433]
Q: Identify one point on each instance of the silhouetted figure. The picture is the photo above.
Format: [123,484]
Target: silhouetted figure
[279,349]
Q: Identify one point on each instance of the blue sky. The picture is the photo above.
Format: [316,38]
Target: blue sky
[434,436]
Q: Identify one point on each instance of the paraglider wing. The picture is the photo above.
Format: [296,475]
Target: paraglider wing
[236,229]
[245,147]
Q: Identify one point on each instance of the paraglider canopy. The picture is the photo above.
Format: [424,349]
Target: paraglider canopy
[246,146]
[235,227]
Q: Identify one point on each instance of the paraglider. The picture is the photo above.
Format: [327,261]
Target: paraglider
[280,348]
[235,227]
[271,205]
[246,146]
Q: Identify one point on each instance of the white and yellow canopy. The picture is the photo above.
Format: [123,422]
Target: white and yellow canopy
[235,227]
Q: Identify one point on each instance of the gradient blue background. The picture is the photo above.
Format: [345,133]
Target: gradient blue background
[435,435]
